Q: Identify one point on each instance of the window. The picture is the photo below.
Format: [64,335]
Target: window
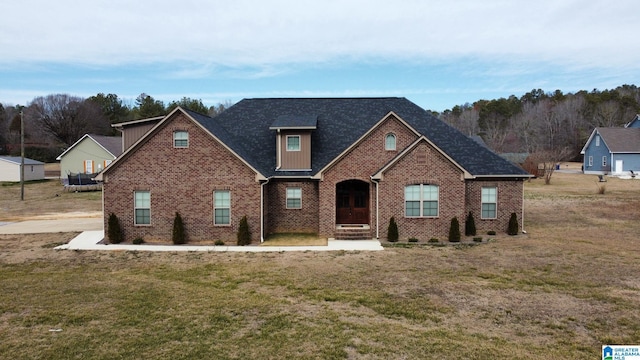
[390,142]
[421,200]
[107,162]
[294,198]
[597,140]
[180,139]
[590,160]
[88,166]
[604,161]
[142,207]
[293,143]
[489,202]
[221,207]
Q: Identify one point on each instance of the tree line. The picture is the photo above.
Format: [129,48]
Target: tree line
[553,125]
[54,122]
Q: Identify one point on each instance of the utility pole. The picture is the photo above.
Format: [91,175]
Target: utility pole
[21,155]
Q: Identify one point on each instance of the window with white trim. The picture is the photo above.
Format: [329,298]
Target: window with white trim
[421,200]
[142,207]
[590,160]
[489,202]
[597,140]
[604,161]
[293,142]
[294,198]
[390,142]
[222,207]
[180,139]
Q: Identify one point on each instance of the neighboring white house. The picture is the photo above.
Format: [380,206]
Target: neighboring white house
[10,169]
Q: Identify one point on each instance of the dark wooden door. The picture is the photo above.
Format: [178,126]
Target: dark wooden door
[352,202]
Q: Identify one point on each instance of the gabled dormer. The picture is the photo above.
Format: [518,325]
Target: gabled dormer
[293,141]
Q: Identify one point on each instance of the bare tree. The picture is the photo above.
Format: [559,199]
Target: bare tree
[66,118]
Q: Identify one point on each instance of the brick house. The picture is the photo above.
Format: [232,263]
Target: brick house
[337,167]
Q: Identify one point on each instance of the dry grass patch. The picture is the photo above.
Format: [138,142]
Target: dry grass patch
[294,239]
[561,291]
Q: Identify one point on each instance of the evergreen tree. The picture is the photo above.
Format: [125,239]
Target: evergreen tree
[114,231]
[392,231]
[454,230]
[244,234]
[513,225]
[470,225]
[179,236]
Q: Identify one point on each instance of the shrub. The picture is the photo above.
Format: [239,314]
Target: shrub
[244,235]
[392,230]
[433,240]
[477,239]
[491,232]
[218,243]
[114,231]
[138,241]
[470,225]
[179,236]
[513,225]
[454,230]
[413,240]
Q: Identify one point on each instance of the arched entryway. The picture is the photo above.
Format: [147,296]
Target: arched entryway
[352,202]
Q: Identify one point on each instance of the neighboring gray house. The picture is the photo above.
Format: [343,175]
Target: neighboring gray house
[90,154]
[10,169]
[613,150]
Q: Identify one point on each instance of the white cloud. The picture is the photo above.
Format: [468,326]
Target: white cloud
[259,33]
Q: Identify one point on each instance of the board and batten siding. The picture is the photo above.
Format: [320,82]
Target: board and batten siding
[295,160]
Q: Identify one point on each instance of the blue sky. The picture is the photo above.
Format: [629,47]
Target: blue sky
[436,53]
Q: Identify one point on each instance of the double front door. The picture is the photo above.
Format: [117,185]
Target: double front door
[352,202]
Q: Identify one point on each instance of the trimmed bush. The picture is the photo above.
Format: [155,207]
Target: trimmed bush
[114,231]
[477,239]
[513,225]
[454,230]
[413,240]
[470,225]
[138,241]
[433,240]
[218,243]
[244,235]
[491,232]
[179,236]
[392,230]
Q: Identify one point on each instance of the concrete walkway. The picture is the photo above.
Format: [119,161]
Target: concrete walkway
[89,240]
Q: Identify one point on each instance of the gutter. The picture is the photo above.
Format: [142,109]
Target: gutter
[376,181]
[262,209]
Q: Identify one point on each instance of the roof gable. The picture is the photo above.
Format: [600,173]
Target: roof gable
[620,140]
[110,144]
[17,160]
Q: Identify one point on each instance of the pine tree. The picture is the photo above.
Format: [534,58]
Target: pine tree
[179,236]
[244,235]
[454,230]
[114,232]
[470,225]
[392,230]
[513,225]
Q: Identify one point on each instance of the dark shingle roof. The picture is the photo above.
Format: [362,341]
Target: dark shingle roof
[113,144]
[244,127]
[621,140]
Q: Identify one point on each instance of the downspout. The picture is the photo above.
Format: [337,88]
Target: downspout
[522,216]
[278,152]
[262,210]
[377,209]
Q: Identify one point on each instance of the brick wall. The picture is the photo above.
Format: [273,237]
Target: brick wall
[281,219]
[509,199]
[182,180]
[424,165]
[362,162]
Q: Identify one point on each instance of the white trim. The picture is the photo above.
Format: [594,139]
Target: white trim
[135,208]
[221,207]
[482,202]
[395,139]
[286,200]
[77,142]
[286,144]
[421,202]
[175,139]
